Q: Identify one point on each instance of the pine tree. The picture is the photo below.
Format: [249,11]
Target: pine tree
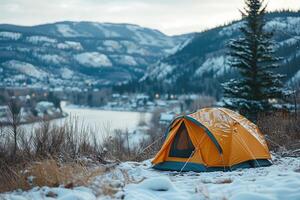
[252,55]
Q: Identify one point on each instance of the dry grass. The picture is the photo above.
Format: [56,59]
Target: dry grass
[52,155]
[224,181]
[48,173]
[12,178]
[282,130]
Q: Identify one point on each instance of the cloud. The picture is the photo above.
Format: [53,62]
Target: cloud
[169,16]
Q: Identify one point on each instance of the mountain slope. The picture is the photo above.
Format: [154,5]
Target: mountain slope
[102,53]
[202,64]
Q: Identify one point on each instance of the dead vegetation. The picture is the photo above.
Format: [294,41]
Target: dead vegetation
[47,173]
[282,132]
[69,154]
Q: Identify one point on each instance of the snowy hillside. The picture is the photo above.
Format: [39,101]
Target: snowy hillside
[103,52]
[136,181]
[203,61]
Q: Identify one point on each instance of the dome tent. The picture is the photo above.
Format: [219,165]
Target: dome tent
[212,139]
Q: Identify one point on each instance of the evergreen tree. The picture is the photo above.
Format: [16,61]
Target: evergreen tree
[252,55]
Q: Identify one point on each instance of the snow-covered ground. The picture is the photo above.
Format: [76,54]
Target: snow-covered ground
[93,59]
[136,181]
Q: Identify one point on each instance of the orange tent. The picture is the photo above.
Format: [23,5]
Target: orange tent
[212,139]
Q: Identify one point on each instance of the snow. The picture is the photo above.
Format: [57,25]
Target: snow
[132,48]
[125,60]
[135,181]
[112,45]
[179,46]
[70,45]
[10,35]
[285,25]
[217,65]
[79,193]
[161,70]
[22,49]
[106,30]
[40,39]
[51,58]
[135,138]
[147,37]
[140,37]
[276,182]
[291,41]
[66,73]
[93,59]
[158,188]
[66,31]
[25,68]
[166,117]
[295,78]
[228,31]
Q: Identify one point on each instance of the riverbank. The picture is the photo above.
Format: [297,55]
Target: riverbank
[32,120]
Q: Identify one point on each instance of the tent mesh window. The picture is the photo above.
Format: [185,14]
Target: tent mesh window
[182,146]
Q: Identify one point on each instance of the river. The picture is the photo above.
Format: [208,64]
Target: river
[96,119]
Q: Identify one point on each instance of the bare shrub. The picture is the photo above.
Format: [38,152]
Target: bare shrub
[282,130]
[64,144]
[14,120]
[52,154]
[50,173]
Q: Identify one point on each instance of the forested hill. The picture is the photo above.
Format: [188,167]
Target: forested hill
[201,65]
[72,53]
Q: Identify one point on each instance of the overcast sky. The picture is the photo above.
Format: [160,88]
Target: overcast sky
[169,16]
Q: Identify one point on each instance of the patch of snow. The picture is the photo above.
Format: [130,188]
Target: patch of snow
[179,46]
[66,31]
[93,59]
[159,188]
[78,193]
[40,39]
[22,49]
[295,79]
[291,41]
[284,24]
[125,60]
[166,117]
[229,30]
[70,45]
[112,45]
[66,73]
[132,48]
[10,35]
[217,65]
[51,58]
[147,37]
[161,70]
[25,68]
[106,30]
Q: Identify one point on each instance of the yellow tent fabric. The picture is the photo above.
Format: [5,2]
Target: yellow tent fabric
[221,140]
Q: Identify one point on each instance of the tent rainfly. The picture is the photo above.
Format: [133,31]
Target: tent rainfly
[212,139]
